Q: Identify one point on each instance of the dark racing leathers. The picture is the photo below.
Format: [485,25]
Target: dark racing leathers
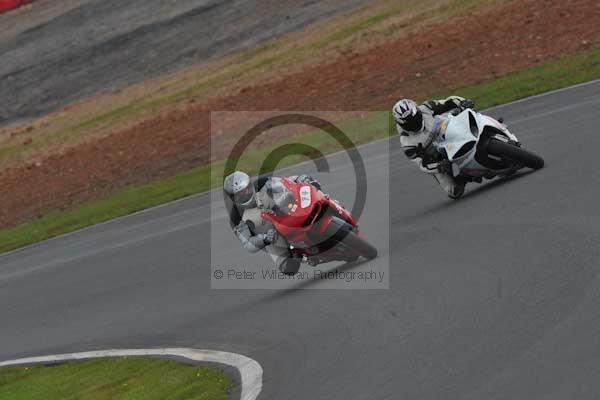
[255,233]
[418,145]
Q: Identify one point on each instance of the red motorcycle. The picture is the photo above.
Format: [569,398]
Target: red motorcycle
[317,228]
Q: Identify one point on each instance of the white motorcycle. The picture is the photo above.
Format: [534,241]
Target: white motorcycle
[478,146]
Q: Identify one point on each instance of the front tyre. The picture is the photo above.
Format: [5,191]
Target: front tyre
[342,232]
[510,152]
[360,246]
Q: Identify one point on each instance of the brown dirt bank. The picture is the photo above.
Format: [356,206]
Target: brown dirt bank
[479,45]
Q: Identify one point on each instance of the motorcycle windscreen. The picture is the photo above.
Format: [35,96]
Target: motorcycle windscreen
[279,197]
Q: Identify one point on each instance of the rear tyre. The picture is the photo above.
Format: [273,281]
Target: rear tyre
[516,154]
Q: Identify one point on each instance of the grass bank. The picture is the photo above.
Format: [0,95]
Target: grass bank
[557,73]
[114,378]
[276,57]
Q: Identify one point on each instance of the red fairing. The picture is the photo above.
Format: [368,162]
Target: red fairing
[303,214]
[6,5]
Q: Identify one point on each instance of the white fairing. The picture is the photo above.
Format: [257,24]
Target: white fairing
[305,197]
[457,134]
[484,120]
[460,130]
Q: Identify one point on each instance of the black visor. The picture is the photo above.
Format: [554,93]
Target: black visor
[244,196]
[413,123]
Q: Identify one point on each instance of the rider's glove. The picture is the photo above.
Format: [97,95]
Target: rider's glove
[420,151]
[467,103]
[270,236]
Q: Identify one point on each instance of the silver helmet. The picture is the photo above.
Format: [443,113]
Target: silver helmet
[239,188]
[407,114]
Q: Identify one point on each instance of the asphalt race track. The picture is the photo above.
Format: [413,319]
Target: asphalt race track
[492,297]
[59,52]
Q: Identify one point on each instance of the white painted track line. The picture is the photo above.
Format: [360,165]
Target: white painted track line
[250,371]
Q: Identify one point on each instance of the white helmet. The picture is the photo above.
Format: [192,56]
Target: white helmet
[407,114]
[239,188]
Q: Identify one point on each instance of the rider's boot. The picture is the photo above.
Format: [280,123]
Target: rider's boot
[457,191]
[455,187]
[290,266]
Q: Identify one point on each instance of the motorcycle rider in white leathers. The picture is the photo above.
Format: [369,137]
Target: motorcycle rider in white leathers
[418,127]
[246,201]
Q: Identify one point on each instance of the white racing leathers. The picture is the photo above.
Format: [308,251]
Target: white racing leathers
[433,117]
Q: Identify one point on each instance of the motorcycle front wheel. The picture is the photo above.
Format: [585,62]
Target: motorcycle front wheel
[359,245]
[514,153]
[341,232]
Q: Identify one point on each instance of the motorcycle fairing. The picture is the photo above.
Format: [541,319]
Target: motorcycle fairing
[459,131]
[470,131]
[309,216]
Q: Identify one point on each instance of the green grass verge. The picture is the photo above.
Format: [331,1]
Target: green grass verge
[114,378]
[554,74]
